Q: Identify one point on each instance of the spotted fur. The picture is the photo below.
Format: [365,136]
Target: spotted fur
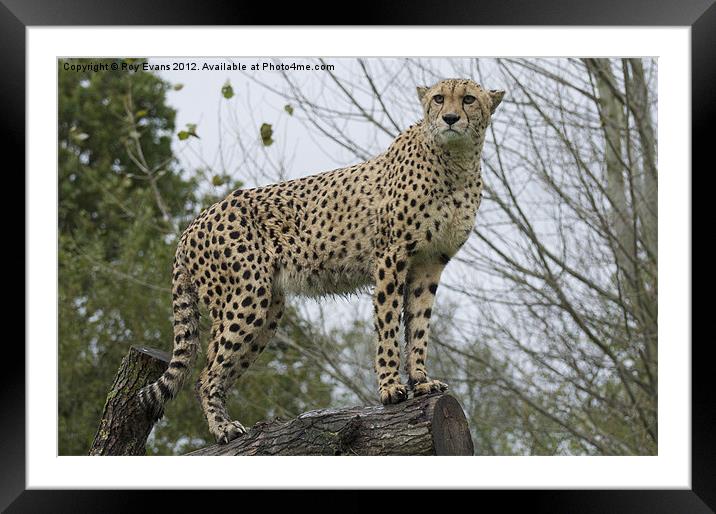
[392,222]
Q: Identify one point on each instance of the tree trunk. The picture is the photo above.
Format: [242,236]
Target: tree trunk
[427,425]
[124,427]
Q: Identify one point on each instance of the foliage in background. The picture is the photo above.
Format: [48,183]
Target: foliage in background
[122,202]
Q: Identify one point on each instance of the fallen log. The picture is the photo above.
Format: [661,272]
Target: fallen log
[428,425]
[124,427]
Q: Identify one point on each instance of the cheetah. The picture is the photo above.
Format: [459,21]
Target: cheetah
[392,222]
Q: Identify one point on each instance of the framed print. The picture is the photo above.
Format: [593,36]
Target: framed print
[205,194]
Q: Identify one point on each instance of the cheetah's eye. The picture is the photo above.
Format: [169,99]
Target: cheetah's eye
[468,99]
[438,99]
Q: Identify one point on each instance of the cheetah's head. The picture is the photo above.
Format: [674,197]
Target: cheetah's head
[457,112]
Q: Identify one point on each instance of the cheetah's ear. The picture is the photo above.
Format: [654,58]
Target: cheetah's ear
[496,95]
[421,92]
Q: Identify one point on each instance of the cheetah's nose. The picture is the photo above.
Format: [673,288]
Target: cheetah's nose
[450,118]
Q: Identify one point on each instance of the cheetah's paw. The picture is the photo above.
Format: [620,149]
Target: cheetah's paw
[228,431]
[394,393]
[429,386]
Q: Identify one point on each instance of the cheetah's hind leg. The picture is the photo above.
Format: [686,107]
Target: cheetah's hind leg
[242,341]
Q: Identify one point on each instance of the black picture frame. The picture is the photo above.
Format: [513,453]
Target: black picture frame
[700,15]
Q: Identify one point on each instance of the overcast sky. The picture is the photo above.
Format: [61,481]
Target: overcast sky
[200,101]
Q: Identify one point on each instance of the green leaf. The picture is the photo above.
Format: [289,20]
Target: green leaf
[289,109]
[178,87]
[218,180]
[227,90]
[266,133]
[190,131]
[141,114]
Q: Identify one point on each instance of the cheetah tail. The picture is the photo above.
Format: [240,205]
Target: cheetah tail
[153,397]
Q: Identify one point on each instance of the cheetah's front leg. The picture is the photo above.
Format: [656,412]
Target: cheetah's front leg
[390,275]
[419,299]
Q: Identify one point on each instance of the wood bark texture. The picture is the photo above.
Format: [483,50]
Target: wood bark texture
[428,425]
[124,427]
